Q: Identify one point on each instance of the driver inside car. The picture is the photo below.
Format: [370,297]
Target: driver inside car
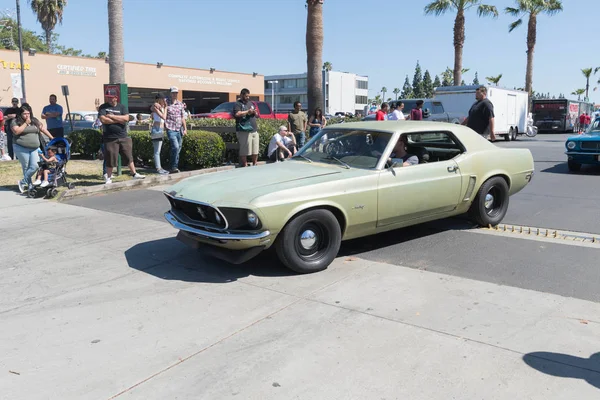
[399,155]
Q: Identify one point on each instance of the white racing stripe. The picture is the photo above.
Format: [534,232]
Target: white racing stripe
[570,238]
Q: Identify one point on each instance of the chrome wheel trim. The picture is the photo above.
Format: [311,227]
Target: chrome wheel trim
[308,238]
[489,201]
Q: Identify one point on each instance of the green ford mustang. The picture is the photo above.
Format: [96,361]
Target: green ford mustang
[349,181]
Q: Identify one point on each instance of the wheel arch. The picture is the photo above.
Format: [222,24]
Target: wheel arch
[494,174]
[336,210]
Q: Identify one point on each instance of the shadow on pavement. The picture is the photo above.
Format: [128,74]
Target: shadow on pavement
[171,260]
[566,366]
[562,168]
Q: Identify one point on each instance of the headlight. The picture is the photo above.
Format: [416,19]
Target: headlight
[571,145]
[252,219]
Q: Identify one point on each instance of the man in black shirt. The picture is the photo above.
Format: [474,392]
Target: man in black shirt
[9,115]
[481,114]
[115,118]
[245,128]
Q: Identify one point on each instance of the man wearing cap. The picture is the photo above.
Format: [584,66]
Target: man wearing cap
[9,115]
[246,129]
[53,113]
[176,128]
[115,118]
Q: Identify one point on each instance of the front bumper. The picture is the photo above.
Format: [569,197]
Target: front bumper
[583,157]
[235,248]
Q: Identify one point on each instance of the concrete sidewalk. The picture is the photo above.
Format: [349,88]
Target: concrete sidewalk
[97,305]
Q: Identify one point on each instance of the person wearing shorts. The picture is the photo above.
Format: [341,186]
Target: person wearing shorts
[115,118]
[246,129]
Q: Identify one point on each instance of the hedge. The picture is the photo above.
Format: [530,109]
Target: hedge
[85,142]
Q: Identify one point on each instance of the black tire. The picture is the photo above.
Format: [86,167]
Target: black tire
[327,236]
[51,193]
[70,186]
[491,203]
[508,136]
[32,193]
[573,166]
[515,134]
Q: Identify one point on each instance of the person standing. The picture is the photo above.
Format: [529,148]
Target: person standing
[588,121]
[9,115]
[159,113]
[3,155]
[317,122]
[481,114]
[115,118]
[397,114]
[297,123]
[246,129]
[53,114]
[381,114]
[416,114]
[176,128]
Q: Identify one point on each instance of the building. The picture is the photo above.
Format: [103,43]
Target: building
[201,89]
[344,92]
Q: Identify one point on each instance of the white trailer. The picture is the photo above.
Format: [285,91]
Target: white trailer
[510,106]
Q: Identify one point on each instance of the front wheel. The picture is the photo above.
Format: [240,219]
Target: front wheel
[310,241]
[491,203]
[515,134]
[573,166]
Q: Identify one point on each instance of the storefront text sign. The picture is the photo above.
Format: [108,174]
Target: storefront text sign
[78,70]
[204,80]
[13,65]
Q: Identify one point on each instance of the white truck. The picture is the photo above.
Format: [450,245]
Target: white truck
[510,106]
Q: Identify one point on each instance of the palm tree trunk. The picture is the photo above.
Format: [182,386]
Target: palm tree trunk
[531,39]
[49,40]
[314,54]
[587,88]
[116,52]
[459,41]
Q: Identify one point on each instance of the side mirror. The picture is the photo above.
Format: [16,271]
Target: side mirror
[426,113]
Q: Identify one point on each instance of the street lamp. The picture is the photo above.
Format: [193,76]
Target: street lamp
[273,95]
[24,99]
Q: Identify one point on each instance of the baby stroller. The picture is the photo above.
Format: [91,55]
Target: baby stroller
[59,176]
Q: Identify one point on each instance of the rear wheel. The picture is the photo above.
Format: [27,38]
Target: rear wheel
[310,241]
[573,166]
[515,133]
[508,136]
[491,203]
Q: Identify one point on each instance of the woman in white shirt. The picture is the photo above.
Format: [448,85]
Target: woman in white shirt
[159,113]
[397,114]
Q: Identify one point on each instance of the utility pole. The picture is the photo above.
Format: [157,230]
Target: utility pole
[24,100]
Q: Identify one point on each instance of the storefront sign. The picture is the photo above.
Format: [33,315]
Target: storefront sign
[13,65]
[77,70]
[204,80]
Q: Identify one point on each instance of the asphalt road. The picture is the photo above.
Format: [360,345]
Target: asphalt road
[555,199]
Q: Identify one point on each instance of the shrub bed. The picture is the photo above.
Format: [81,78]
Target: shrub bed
[85,142]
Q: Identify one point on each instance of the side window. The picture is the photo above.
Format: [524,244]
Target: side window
[433,146]
[263,108]
[438,108]
[76,117]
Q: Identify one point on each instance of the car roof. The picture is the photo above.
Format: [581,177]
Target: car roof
[84,112]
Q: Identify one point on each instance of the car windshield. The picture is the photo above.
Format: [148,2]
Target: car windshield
[346,148]
[595,127]
[225,107]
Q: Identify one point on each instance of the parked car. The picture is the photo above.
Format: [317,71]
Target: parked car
[146,119]
[225,111]
[585,148]
[344,184]
[432,111]
[81,120]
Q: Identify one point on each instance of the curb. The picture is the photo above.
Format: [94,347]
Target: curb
[153,180]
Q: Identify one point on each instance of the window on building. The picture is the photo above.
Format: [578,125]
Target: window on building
[361,100]
[301,83]
[289,83]
[291,98]
[362,85]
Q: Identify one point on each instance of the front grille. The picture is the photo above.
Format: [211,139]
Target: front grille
[590,145]
[199,213]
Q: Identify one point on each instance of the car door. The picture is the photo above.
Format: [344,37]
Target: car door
[418,191]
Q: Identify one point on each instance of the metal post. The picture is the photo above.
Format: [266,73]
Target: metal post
[24,100]
[273,107]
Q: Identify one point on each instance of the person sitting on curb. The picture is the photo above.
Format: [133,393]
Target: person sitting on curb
[277,150]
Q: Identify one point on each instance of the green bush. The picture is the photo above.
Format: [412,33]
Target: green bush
[86,142]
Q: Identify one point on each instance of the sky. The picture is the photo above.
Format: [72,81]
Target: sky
[382,40]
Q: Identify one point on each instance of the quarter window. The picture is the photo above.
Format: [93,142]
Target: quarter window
[433,146]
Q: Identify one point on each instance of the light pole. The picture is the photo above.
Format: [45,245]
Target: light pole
[273,95]
[24,100]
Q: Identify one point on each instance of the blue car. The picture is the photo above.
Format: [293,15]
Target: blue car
[585,148]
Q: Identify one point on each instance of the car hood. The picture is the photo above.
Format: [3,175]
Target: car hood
[242,185]
[585,137]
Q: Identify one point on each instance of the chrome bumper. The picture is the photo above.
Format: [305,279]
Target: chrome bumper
[214,235]
[579,153]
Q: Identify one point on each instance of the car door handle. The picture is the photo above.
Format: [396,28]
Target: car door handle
[452,168]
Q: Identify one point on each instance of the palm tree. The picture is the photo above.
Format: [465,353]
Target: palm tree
[377,99]
[383,92]
[396,91]
[494,79]
[48,13]
[440,7]
[587,72]
[533,8]
[578,93]
[314,53]
[116,62]
[327,66]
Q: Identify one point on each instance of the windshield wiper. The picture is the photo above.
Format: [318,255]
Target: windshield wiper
[303,157]
[340,161]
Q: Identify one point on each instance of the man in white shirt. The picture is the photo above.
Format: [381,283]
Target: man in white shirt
[397,114]
[278,150]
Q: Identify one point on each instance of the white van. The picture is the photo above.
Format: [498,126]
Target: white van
[510,106]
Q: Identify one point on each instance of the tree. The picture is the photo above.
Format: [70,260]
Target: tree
[587,72]
[396,91]
[417,84]
[440,7]
[532,8]
[116,62]
[578,93]
[48,13]
[327,66]
[436,82]
[314,53]
[9,37]
[427,85]
[476,79]
[378,99]
[494,79]
[407,92]
[101,54]
[462,83]
[383,92]
[447,77]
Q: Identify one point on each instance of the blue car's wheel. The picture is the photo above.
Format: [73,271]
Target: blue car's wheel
[573,166]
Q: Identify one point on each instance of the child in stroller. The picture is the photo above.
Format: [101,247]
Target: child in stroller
[53,168]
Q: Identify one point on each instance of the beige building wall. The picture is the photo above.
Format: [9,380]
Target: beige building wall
[45,74]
